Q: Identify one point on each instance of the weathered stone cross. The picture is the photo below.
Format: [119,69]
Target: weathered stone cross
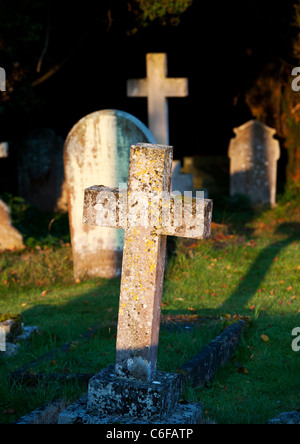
[157,87]
[148,213]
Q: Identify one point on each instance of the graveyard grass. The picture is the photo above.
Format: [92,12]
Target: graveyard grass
[249,268]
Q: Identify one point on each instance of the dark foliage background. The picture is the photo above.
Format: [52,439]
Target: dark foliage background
[65,59]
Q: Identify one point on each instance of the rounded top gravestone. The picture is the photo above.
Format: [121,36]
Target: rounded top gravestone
[97,151]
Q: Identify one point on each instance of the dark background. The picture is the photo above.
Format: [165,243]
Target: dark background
[220,47]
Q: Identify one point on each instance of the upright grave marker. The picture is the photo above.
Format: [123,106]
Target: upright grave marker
[97,151]
[41,170]
[2,79]
[146,226]
[253,157]
[157,87]
[10,238]
[148,213]
[3,150]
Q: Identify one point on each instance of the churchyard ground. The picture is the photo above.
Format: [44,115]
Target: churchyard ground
[250,268]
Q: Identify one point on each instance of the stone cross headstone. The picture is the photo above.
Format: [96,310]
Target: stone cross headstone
[253,157]
[10,238]
[148,213]
[157,87]
[97,151]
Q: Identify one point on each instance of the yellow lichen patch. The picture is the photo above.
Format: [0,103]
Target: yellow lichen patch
[152,267]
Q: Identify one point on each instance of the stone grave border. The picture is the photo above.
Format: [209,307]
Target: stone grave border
[199,370]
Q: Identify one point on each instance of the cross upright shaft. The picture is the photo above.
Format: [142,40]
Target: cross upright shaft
[144,252]
[143,267]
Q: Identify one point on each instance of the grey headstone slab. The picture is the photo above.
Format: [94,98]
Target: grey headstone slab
[253,157]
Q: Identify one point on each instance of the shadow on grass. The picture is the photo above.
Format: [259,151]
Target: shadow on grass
[260,267]
[75,318]
[94,306]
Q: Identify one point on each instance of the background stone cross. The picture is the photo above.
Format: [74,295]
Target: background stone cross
[148,213]
[157,87]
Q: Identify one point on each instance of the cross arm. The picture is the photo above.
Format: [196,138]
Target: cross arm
[137,88]
[176,87]
[102,206]
[166,214]
[187,217]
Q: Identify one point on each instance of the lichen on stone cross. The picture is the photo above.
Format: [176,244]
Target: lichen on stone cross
[148,213]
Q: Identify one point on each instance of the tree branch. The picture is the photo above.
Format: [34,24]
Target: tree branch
[39,65]
[48,74]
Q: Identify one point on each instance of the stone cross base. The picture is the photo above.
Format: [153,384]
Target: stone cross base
[112,399]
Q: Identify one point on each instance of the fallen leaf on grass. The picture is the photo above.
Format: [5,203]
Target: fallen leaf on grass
[242,370]
[265,338]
